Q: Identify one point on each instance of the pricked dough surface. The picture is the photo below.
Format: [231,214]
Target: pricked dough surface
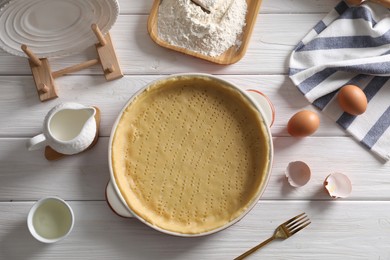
[190,155]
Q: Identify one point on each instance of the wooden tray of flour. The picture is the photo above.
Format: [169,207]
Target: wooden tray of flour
[232,55]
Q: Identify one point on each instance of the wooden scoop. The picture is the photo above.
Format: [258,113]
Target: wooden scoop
[210,5]
[206,5]
[213,5]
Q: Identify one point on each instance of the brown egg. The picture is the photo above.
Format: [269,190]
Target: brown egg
[303,123]
[352,100]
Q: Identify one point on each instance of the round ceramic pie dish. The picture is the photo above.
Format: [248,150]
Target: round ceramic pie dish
[190,154]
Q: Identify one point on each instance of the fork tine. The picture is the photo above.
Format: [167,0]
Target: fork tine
[298,224]
[297,221]
[300,228]
[294,218]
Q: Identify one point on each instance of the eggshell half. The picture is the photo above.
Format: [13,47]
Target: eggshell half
[298,173]
[338,185]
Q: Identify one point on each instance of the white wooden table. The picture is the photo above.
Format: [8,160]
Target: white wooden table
[353,228]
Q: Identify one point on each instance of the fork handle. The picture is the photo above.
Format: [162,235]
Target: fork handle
[250,251]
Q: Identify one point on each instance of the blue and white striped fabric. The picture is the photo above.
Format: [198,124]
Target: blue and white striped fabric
[351,45]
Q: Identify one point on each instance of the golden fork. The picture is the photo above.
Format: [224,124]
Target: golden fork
[285,230]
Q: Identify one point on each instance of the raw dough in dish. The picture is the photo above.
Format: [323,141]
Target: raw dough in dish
[190,155]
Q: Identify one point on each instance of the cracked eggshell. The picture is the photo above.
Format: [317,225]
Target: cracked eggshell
[298,173]
[338,185]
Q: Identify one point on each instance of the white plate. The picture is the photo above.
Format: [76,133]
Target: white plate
[52,28]
[3,2]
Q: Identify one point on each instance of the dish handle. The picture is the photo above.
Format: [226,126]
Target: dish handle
[265,105]
[115,203]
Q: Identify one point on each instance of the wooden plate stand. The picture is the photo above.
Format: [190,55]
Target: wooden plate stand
[44,77]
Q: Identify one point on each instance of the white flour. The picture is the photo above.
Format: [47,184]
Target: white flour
[184,24]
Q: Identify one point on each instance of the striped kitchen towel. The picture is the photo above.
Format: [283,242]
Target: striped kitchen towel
[351,45]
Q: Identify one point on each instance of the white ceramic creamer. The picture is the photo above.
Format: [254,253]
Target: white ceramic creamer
[68,128]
